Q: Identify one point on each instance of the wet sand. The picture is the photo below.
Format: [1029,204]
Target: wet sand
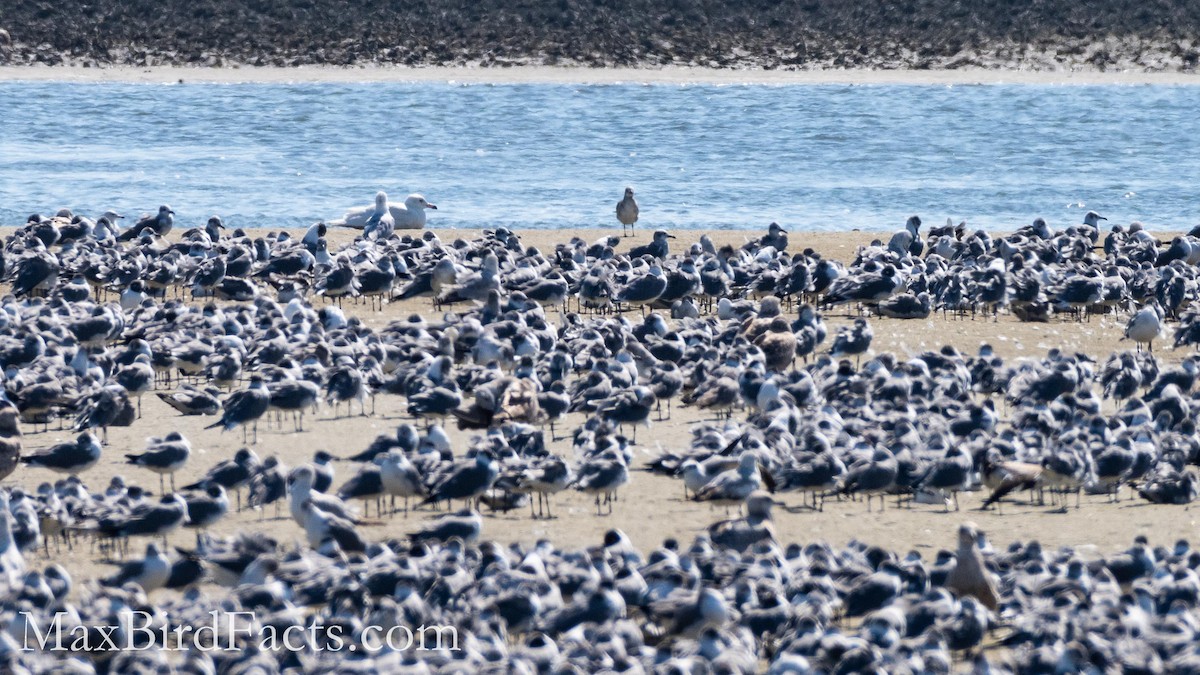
[651,507]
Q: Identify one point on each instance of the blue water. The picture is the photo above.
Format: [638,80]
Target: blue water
[558,156]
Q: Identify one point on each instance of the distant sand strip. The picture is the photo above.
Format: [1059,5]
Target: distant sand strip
[583,75]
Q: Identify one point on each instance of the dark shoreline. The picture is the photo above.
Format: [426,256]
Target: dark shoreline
[812,34]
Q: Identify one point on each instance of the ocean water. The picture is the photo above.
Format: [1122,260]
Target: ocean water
[834,157]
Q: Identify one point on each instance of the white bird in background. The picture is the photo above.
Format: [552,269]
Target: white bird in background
[407,216]
[1145,326]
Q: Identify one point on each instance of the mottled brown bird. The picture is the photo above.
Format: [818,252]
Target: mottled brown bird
[1007,477]
[627,211]
[970,576]
[10,438]
[778,345]
[519,403]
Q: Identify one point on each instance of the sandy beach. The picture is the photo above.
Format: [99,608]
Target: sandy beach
[652,507]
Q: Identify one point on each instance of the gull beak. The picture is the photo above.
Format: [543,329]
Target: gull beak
[1103,218]
[170,212]
[670,236]
[431,206]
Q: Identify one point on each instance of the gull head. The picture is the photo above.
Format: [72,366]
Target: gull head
[1093,219]
[417,201]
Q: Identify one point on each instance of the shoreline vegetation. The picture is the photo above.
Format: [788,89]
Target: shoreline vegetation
[1050,36]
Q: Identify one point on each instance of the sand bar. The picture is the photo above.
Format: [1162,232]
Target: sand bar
[672,75]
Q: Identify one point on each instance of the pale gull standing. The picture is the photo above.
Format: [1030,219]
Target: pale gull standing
[1145,326]
[627,211]
[970,577]
[163,456]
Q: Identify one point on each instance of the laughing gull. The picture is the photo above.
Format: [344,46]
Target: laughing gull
[322,471]
[269,485]
[380,224]
[951,473]
[69,458]
[295,397]
[872,477]
[733,486]
[776,237]
[405,439]
[603,474]
[36,274]
[367,484]
[150,572]
[300,491]
[600,606]
[10,438]
[477,287]
[244,407]
[465,524]
[346,385]
[908,241]
[159,225]
[12,561]
[320,525]
[152,520]
[315,233]
[658,247]
[627,212]
[137,378]
[400,478]
[203,510]
[231,474]
[686,615]
[906,306]
[644,289]
[464,480]
[546,477]
[375,283]
[163,456]
[852,340]
[740,534]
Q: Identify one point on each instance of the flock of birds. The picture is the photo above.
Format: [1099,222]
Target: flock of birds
[250,328]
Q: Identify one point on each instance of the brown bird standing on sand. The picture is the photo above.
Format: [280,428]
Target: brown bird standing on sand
[970,576]
[10,439]
[627,211]
[778,345]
